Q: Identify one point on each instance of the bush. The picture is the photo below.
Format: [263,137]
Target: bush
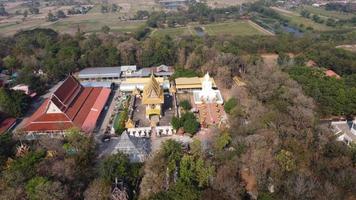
[222,141]
[184,73]
[185,104]
[191,126]
[229,105]
[188,121]
[176,123]
[119,124]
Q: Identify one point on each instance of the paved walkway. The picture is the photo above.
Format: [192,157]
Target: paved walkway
[107,115]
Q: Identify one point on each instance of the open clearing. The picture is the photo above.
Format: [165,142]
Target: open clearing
[297,20]
[240,28]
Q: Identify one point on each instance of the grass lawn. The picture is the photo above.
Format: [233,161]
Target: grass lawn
[240,28]
[296,20]
[327,13]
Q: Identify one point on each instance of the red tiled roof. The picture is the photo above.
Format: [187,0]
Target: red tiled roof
[75,105]
[67,91]
[86,107]
[90,121]
[6,124]
[331,73]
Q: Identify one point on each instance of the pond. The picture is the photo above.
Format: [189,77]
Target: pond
[289,29]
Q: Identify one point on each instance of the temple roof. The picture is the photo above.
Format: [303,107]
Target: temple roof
[71,105]
[152,92]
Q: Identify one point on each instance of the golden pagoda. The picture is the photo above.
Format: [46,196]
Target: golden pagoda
[152,97]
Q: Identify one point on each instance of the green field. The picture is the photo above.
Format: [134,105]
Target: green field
[327,13]
[240,28]
[296,20]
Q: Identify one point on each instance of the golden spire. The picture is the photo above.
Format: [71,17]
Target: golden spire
[152,92]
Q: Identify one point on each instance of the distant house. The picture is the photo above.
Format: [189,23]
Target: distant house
[100,73]
[70,105]
[24,88]
[163,71]
[173,4]
[316,5]
[345,131]
[331,73]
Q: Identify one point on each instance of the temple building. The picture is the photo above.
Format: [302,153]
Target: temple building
[153,98]
[207,94]
[70,105]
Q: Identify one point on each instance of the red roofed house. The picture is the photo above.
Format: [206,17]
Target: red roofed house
[71,105]
[331,73]
[6,122]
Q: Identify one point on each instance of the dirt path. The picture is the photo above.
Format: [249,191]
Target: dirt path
[260,28]
[285,11]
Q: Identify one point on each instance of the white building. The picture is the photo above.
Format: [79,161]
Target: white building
[345,131]
[207,94]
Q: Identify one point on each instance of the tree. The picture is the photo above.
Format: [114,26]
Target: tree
[105,29]
[11,63]
[25,13]
[286,160]
[188,121]
[41,188]
[230,105]
[34,10]
[176,123]
[191,126]
[7,144]
[185,104]
[23,168]
[98,189]
[115,166]
[14,103]
[60,14]
[222,141]
[114,7]
[81,148]
[51,17]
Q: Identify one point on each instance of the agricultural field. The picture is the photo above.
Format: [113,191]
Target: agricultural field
[296,20]
[94,22]
[240,28]
[89,22]
[327,13]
